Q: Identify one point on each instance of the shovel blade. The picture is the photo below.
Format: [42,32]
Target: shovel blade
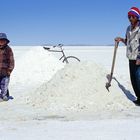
[107,86]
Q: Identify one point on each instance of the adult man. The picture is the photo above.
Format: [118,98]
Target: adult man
[132,41]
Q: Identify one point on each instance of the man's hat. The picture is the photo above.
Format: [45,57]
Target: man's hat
[135,12]
[4,36]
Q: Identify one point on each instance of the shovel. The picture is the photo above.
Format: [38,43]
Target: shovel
[109,77]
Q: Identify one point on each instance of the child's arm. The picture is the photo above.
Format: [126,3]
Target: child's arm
[11,62]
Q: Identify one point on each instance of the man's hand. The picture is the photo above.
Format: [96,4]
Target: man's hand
[118,39]
[138,62]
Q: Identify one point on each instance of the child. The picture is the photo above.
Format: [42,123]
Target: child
[6,66]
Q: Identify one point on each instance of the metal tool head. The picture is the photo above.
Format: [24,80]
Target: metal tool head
[107,86]
[108,76]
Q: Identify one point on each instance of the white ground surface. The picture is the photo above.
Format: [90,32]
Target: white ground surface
[54,101]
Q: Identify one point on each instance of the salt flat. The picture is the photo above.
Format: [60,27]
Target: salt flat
[56,101]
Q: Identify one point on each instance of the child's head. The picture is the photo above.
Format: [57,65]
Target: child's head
[3,39]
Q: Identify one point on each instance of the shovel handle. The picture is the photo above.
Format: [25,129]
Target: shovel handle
[113,61]
[114,57]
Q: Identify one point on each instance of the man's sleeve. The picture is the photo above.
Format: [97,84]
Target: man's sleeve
[138,54]
[125,41]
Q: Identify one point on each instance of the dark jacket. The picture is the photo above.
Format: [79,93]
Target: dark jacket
[6,61]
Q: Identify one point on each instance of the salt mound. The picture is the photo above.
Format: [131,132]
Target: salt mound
[32,69]
[79,88]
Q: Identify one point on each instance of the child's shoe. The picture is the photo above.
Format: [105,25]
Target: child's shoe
[5,98]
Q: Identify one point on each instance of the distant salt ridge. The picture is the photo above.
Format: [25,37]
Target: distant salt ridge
[79,88]
[33,68]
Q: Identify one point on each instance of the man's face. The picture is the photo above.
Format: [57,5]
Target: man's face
[3,42]
[133,19]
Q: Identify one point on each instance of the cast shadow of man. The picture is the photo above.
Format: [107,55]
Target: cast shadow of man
[127,93]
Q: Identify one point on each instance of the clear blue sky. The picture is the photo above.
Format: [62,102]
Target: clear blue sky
[36,22]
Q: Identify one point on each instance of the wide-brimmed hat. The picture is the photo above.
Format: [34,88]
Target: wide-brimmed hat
[4,36]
